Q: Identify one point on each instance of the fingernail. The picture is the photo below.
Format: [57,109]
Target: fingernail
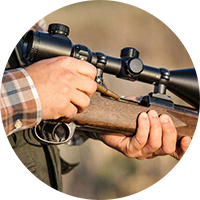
[153,114]
[144,115]
[165,119]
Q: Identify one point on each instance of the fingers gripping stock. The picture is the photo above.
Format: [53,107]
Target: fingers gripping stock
[183,83]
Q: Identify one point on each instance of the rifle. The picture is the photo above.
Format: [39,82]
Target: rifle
[107,111]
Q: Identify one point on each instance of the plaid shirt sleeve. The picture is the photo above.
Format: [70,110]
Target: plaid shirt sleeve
[20,104]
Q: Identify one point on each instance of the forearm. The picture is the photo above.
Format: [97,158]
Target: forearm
[20,104]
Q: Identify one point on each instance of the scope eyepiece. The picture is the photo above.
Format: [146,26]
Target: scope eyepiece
[41,45]
[30,46]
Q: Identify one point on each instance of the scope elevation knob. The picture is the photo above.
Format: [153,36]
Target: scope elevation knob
[129,52]
[58,29]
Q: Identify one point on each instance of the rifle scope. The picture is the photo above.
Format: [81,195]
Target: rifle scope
[41,45]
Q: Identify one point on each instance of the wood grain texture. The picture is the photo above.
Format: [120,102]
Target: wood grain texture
[117,116]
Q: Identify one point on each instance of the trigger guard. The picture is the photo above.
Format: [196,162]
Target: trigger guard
[71,127]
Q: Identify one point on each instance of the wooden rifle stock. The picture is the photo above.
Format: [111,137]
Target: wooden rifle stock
[108,115]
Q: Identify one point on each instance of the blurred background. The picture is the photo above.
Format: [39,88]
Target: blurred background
[105,26]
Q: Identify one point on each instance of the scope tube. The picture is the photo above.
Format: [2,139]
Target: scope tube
[40,45]
[113,65]
[150,75]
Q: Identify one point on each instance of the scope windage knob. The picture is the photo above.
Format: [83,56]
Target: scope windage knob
[58,29]
[129,52]
[134,67]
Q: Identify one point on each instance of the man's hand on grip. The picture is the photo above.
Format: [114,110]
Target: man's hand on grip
[64,85]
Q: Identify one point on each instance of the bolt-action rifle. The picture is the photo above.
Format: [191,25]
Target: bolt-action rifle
[107,111]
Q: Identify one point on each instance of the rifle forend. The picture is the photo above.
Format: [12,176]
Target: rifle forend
[120,116]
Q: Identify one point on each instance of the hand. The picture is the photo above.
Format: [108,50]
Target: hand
[64,85]
[154,136]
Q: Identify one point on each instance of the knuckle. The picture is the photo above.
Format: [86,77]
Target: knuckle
[91,68]
[93,87]
[66,89]
[69,76]
[169,150]
[65,62]
[84,102]
[155,125]
[141,126]
[93,71]
[167,125]
[155,145]
[87,102]
[141,141]
[129,154]
[125,150]
[62,60]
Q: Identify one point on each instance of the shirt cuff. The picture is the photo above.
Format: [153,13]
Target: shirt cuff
[20,103]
